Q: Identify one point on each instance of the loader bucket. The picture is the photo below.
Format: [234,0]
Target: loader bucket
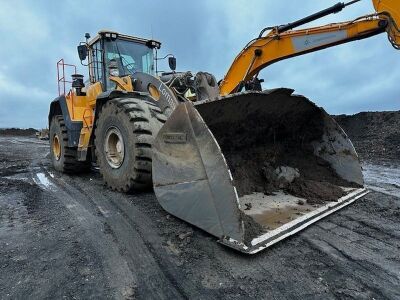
[254,168]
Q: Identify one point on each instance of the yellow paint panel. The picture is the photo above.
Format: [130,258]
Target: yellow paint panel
[390,6]
[76,106]
[92,92]
[123,83]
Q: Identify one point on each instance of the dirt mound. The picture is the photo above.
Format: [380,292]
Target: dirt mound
[375,135]
[315,191]
[18,131]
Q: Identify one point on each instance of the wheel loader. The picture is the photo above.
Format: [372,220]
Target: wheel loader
[248,166]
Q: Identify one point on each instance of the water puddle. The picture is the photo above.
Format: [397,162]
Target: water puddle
[383,178]
[42,180]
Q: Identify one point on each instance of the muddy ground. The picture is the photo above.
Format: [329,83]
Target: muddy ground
[69,237]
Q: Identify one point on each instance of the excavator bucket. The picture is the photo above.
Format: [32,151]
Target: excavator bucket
[254,168]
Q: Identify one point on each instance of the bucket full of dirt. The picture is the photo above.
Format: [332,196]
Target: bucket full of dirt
[254,168]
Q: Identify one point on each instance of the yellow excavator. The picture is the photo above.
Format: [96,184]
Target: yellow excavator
[250,167]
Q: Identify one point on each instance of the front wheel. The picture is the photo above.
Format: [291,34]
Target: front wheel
[124,134]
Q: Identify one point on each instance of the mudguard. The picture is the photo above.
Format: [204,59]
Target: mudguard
[59,107]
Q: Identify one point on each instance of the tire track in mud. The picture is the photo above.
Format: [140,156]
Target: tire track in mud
[152,242]
[120,279]
[171,270]
[357,255]
[157,275]
[342,275]
[360,255]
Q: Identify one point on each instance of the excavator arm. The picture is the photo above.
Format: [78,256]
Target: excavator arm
[282,42]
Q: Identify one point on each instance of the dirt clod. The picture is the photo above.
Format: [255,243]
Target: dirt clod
[248,206]
[185,235]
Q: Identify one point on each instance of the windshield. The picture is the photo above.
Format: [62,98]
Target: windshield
[129,56]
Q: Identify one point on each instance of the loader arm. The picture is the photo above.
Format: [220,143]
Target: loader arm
[281,43]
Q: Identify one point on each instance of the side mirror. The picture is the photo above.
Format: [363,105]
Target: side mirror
[172,63]
[82,52]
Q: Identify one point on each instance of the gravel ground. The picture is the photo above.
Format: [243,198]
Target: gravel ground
[69,237]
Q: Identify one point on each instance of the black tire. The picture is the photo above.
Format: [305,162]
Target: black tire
[136,122]
[64,160]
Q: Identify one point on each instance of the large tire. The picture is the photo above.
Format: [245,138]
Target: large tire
[64,158]
[124,135]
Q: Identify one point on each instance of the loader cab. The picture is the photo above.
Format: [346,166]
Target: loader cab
[113,54]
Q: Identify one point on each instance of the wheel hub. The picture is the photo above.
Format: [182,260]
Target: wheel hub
[114,147]
[56,147]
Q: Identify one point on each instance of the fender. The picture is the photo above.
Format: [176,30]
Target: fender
[59,107]
[108,95]
[101,99]
[163,96]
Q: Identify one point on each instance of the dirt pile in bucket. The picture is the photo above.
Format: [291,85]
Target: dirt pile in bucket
[267,138]
[305,175]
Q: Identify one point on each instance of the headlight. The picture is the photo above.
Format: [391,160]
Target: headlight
[114,72]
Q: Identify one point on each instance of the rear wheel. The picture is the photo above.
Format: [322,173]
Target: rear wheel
[124,134]
[63,157]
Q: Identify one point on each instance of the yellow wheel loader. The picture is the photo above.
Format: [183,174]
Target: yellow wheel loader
[250,167]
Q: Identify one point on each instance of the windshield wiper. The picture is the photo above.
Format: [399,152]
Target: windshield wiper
[121,58]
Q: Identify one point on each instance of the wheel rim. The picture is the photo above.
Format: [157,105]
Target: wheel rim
[56,147]
[114,147]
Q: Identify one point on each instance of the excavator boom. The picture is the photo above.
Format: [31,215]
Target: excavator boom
[282,42]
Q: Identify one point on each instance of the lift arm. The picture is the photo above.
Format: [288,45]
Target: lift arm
[282,42]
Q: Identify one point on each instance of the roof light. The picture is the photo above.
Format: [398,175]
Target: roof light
[153,44]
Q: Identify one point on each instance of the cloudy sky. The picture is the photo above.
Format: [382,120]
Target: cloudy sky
[203,35]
